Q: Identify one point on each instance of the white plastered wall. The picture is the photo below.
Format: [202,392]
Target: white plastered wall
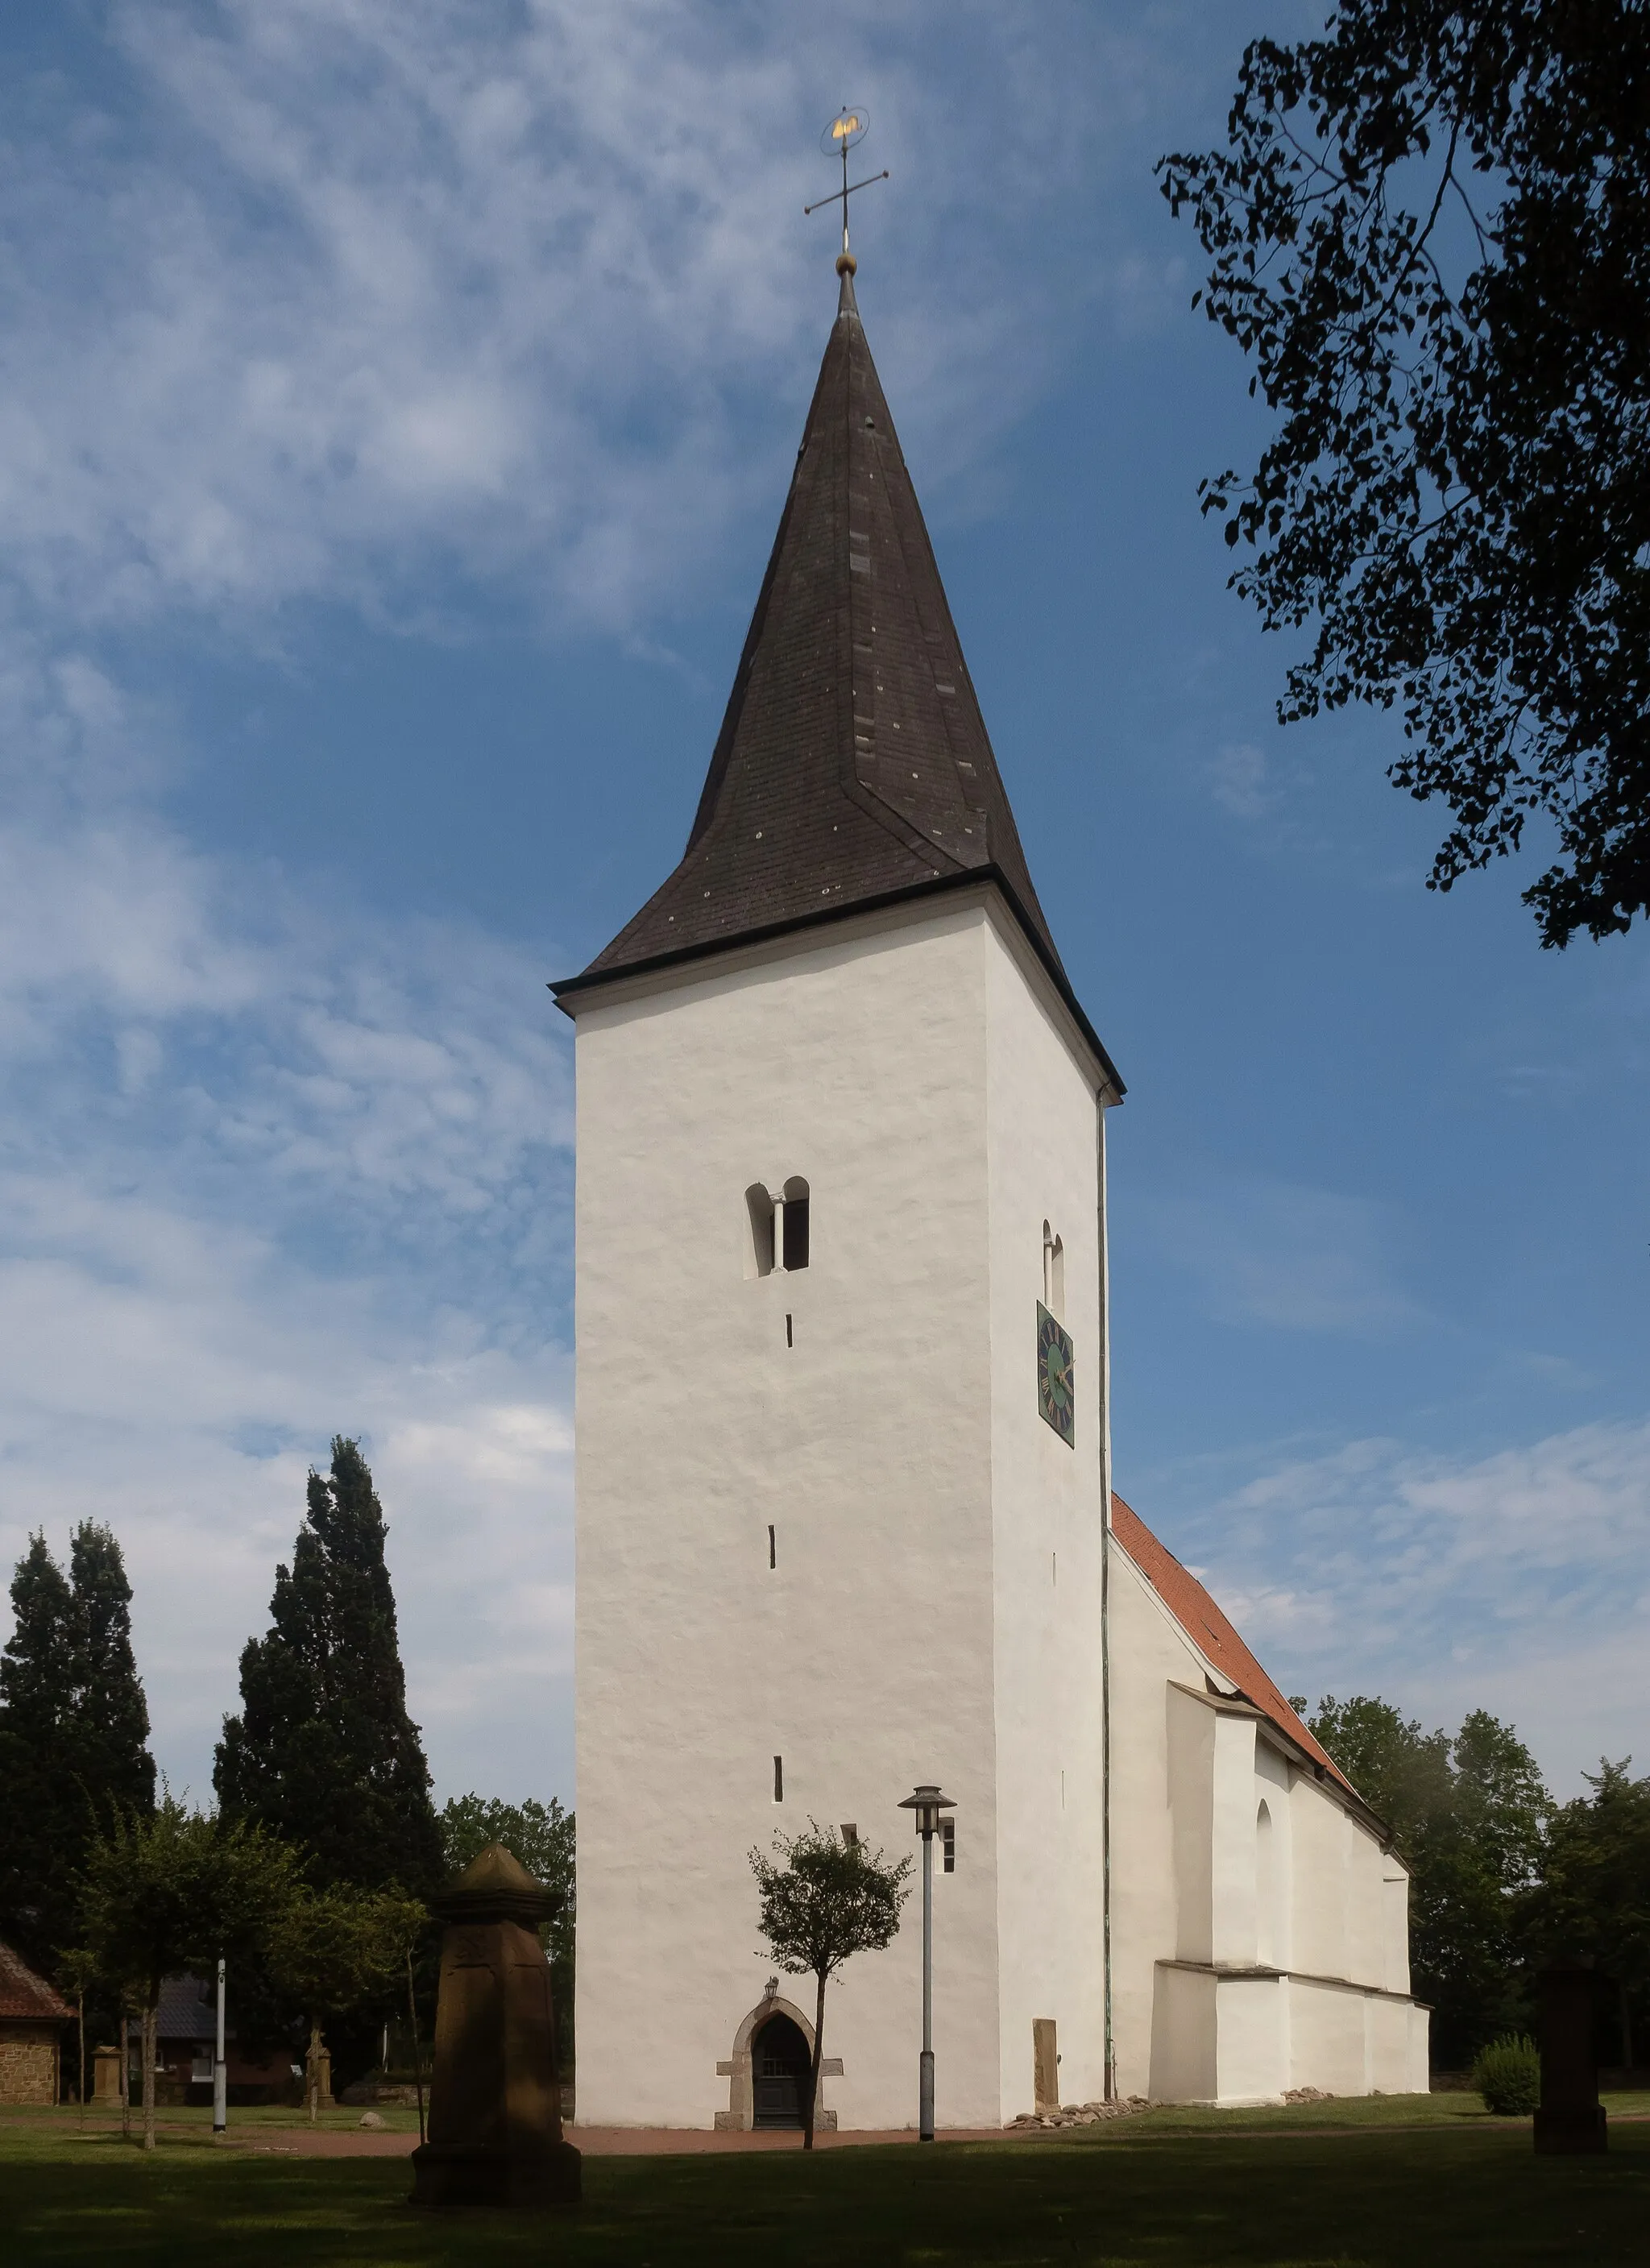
[912,1628]
[1042,1136]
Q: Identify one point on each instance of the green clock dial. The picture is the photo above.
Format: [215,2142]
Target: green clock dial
[1055,1397]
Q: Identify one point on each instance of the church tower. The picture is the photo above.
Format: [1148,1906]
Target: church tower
[841,1406]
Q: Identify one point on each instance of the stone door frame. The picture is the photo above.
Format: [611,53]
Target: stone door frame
[740,2116]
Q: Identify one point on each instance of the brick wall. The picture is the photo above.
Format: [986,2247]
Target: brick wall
[28,2065]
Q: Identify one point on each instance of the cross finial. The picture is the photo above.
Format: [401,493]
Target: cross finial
[848,126]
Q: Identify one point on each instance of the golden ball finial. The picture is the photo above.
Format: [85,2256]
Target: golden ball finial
[846,264]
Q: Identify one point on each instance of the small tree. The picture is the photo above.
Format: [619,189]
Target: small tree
[542,1837]
[823,1899]
[332,1949]
[178,1886]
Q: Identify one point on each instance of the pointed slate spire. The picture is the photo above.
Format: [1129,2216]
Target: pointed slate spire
[853,764]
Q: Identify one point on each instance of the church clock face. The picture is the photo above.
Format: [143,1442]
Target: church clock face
[1054,1376]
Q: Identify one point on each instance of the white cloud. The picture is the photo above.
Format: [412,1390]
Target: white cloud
[1241,781]
[317,296]
[269,1173]
[1518,1582]
[1289,1256]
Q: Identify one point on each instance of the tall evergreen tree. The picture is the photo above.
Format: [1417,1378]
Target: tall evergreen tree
[35,1912]
[323,1752]
[74,1728]
[111,1716]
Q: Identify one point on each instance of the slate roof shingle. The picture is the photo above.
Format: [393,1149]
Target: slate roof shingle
[853,765]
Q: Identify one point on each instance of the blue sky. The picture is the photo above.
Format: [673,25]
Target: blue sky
[398,403]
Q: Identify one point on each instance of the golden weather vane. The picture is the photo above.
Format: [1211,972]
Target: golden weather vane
[846,130]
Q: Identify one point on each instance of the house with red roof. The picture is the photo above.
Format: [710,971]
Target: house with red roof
[33,2015]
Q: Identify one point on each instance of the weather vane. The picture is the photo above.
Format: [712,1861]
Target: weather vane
[847,127]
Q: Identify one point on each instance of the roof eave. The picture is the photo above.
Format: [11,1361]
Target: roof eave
[590,980]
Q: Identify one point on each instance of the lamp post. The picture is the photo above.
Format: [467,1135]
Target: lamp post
[220,2091]
[927,1802]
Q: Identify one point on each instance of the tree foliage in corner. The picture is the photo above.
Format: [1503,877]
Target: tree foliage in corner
[74,1732]
[323,1752]
[1431,231]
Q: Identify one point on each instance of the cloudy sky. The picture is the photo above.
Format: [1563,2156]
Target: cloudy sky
[398,398]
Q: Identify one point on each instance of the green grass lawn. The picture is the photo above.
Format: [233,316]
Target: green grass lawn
[1168,2190]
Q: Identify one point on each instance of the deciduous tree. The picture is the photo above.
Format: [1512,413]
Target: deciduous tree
[824,1899]
[1594,1895]
[177,1888]
[331,1949]
[1466,1816]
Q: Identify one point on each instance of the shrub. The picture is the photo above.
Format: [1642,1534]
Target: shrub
[1507,2075]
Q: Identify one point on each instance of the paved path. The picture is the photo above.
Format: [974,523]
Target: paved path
[595,2141]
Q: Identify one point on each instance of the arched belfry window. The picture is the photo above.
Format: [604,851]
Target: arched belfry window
[793,1242]
[1053,1272]
[777,1227]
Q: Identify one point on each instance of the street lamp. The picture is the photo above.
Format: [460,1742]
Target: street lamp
[927,1802]
[220,2093]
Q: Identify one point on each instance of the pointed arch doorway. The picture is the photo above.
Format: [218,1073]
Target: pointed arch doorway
[766,2073]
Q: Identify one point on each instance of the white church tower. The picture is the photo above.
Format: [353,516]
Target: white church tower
[841,1432]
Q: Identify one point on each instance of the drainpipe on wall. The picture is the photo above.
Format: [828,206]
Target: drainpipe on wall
[1105,1595]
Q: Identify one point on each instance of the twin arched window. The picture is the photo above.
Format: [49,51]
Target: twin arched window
[778,1227]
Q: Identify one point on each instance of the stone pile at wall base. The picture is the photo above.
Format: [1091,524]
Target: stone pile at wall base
[1079,2114]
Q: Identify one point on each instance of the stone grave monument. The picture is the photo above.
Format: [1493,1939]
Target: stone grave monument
[1570,2122]
[495,2098]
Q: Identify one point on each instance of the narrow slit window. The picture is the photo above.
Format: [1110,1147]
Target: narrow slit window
[795,1231]
[790,1337]
[778,1779]
[948,1840]
[773,1549]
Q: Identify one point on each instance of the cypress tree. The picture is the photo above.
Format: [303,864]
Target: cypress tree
[323,1752]
[35,1817]
[74,1728]
[110,1715]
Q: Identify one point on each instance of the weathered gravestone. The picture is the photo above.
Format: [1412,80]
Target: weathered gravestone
[1570,2121]
[495,2102]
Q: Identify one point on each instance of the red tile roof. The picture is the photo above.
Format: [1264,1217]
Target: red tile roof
[1211,1633]
[23,1996]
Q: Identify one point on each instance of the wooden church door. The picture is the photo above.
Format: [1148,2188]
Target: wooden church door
[778,2067]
